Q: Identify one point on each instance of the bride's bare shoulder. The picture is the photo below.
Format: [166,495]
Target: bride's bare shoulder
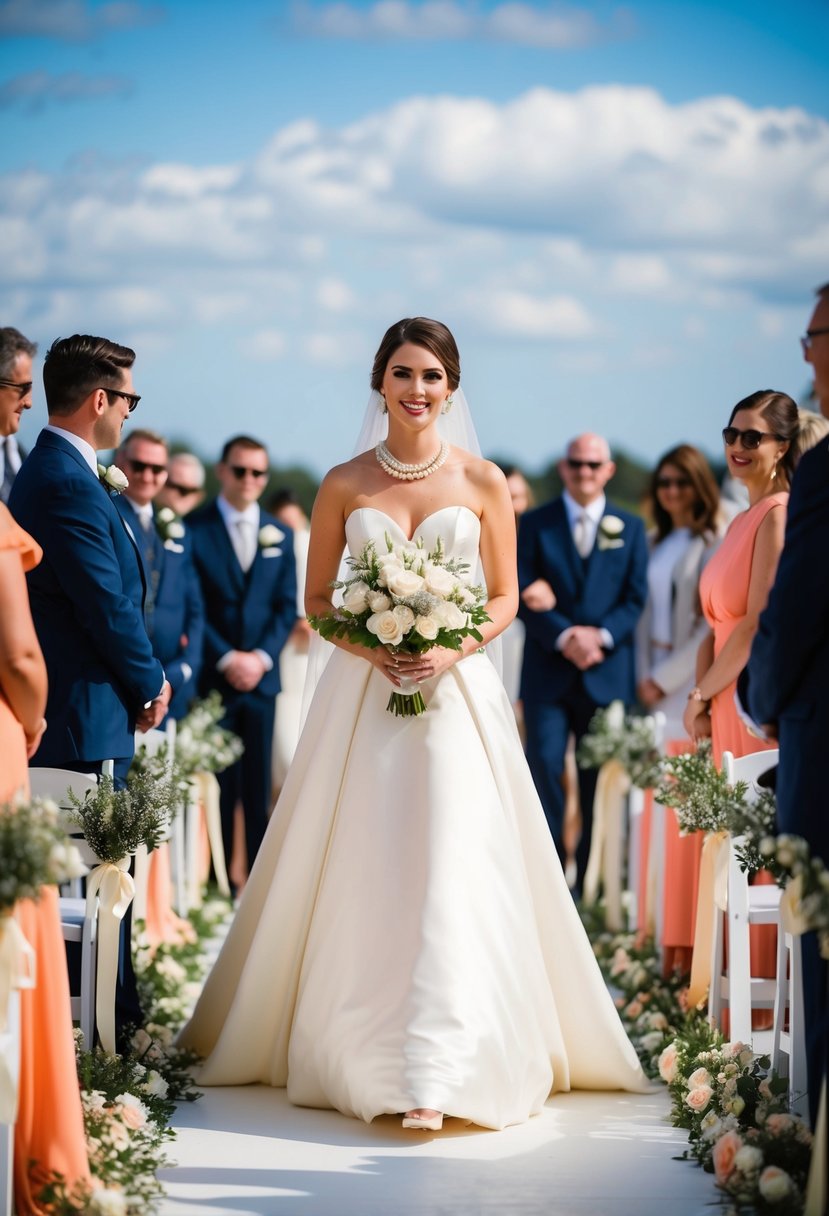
[484,475]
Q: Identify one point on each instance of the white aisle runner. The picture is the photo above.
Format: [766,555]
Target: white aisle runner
[247,1152]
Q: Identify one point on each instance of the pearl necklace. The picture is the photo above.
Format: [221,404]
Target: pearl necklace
[410,472]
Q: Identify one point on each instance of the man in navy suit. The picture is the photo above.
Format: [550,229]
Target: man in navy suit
[590,561]
[788,680]
[16,354]
[173,607]
[88,592]
[245,562]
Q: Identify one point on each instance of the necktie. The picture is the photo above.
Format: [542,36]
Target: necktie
[581,535]
[246,543]
[8,471]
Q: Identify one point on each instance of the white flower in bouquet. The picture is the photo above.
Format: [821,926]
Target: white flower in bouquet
[616,716]
[710,1126]
[378,601]
[651,1040]
[404,583]
[386,627]
[439,580]
[132,1111]
[428,627]
[155,1085]
[450,616]
[749,1159]
[65,863]
[105,1202]
[774,1184]
[355,599]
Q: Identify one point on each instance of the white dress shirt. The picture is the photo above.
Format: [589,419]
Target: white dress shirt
[231,518]
[592,515]
[86,449]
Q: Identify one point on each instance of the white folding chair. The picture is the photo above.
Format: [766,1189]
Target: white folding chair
[790,1042]
[746,906]
[76,925]
[10,1052]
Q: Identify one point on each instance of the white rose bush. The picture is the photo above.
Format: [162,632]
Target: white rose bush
[409,599]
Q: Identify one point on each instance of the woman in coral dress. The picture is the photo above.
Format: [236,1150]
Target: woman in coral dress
[49,1133]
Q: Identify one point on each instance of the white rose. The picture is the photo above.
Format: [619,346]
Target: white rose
[651,1040]
[615,715]
[166,515]
[270,535]
[774,1184]
[748,1159]
[404,583]
[175,530]
[439,580]
[427,627]
[155,1085]
[114,477]
[386,627]
[355,599]
[611,525]
[710,1125]
[377,601]
[404,616]
[450,616]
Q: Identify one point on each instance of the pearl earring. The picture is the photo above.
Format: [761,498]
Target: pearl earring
[448,403]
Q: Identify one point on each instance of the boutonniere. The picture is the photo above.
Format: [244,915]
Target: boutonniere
[610,532]
[113,478]
[169,527]
[269,536]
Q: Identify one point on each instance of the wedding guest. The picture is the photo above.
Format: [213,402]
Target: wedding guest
[245,563]
[16,354]
[512,639]
[683,502]
[173,606]
[183,490]
[789,675]
[578,655]
[87,594]
[293,660]
[49,1133]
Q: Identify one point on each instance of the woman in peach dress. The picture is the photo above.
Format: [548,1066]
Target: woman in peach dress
[49,1130]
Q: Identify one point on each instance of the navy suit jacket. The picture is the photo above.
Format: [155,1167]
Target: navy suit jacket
[243,611]
[607,590]
[173,609]
[86,597]
[789,665]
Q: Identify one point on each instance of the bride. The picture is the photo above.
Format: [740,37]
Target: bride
[406,941]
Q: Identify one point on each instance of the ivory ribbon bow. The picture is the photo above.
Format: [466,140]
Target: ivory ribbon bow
[18,967]
[817,1189]
[612,785]
[712,892]
[114,889]
[206,790]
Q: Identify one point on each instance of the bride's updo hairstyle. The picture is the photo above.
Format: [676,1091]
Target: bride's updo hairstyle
[781,414]
[420,331]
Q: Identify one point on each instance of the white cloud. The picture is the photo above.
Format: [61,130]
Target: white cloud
[335,295]
[553,26]
[33,91]
[72,20]
[335,349]
[640,274]
[519,314]
[265,345]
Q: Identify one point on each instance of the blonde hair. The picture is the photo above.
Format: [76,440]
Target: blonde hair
[811,428]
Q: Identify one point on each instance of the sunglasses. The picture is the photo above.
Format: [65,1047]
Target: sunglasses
[584,464]
[749,439]
[142,466]
[240,472]
[24,387]
[183,490]
[131,399]
[806,340]
[665,483]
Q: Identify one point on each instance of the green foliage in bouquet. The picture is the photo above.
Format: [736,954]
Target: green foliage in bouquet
[202,746]
[34,851]
[408,598]
[116,822]
[628,738]
[789,859]
[752,821]
[699,793]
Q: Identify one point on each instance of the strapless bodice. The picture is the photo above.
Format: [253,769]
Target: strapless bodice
[458,527]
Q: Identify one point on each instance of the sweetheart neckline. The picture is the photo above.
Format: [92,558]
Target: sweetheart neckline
[426,518]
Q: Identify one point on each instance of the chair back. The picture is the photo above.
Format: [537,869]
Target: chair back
[749,768]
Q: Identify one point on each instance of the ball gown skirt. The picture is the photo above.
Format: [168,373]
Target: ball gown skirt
[406,938]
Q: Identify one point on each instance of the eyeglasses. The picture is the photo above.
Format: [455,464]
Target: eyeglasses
[584,464]
[24,387]
[665,483]
[240,472]
[132,399]
[183,490]
[806,340]
[749,439]
[142,466]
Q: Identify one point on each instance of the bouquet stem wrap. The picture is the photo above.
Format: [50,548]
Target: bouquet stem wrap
[407,700]
[17,970]
[113,887]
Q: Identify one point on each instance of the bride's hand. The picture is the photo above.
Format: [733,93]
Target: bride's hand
[426,666]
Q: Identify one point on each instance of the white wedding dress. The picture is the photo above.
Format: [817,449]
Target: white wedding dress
[406,938]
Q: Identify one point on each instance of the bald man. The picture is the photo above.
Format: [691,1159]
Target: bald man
[578,653]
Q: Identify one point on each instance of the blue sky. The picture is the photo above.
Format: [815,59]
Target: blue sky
[621,211]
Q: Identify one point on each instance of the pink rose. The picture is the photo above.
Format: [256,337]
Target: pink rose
[699,1098]
[778,1124]
[725,1150]
[668,1064]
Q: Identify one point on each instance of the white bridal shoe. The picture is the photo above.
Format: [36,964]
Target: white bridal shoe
[425,1120]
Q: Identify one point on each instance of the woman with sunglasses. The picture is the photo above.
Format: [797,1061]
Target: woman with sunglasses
[684,504]
[761,451]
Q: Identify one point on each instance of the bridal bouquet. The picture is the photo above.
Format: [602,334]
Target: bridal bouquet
[410,599]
